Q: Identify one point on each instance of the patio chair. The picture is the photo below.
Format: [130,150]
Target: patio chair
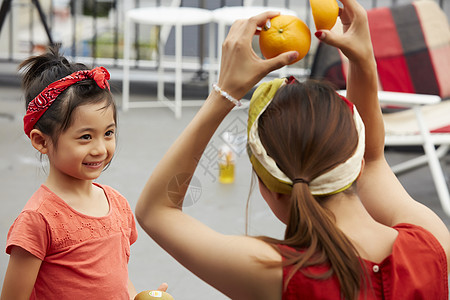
[412,49]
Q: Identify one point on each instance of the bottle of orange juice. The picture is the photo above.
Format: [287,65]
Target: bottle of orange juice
[226,160]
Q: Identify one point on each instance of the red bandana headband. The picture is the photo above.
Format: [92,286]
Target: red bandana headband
[292,80]
[39,105]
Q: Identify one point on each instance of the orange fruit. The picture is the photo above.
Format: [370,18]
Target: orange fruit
[325,13]
[284,33]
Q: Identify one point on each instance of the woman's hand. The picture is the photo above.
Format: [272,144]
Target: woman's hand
[355,40]
[362,83]
[241,68]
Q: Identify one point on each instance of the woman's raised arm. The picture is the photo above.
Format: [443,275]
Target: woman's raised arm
[378,187]
[240,70]
[225,262]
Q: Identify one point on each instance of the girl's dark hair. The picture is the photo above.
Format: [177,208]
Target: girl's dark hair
[44,69]
[308,130]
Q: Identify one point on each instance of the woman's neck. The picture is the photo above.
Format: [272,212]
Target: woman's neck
[372,240]
[348,210]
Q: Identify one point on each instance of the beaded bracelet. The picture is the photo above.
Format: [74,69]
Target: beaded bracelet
[226,95]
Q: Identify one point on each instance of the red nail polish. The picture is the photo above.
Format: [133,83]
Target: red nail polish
[318,34]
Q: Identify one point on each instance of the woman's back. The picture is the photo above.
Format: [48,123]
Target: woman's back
[409,272]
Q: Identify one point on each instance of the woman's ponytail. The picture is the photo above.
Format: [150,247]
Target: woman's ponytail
[312,227]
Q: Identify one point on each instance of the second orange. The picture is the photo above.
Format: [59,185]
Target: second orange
[325,13]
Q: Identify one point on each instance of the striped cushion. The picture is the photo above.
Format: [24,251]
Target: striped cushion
[412,49]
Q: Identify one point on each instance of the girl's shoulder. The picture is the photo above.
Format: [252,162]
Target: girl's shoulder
[114,196]
[40,199]
[110,191]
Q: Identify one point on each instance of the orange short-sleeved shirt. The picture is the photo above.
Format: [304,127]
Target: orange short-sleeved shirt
[83,257]
[416,269]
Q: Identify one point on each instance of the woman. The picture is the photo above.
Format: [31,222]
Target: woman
[343,239]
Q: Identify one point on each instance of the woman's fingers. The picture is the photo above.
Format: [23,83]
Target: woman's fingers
[280,60]
[262,18]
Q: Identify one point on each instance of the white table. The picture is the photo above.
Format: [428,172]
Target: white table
[161,16]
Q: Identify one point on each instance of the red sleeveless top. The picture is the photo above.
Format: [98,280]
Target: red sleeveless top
[416,269]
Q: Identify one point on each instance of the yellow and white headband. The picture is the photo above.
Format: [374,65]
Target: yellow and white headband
[332,182]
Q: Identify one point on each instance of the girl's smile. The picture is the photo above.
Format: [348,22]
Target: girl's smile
[93,165]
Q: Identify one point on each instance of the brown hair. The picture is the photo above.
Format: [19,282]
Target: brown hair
[308,130]
[44,69]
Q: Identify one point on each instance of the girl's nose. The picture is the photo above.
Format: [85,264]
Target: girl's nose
[99,148]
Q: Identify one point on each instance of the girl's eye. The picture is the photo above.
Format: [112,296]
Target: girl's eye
[109,133]
[86,137]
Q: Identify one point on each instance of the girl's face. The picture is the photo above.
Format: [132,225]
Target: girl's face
[87,146]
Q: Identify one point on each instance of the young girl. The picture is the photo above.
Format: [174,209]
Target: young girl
[72,239]
[308,146]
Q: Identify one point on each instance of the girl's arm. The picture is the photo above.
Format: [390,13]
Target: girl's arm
[21,274]
[378,187]
[228,263]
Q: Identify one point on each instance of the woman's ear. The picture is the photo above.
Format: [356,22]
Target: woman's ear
[39,141]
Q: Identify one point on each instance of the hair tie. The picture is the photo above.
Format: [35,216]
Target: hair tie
[300,180]
[39,105]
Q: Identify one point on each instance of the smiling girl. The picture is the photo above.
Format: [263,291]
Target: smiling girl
[72,239]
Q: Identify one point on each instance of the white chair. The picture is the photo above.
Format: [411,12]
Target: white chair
[224,17]
[422,125]
[165,17]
